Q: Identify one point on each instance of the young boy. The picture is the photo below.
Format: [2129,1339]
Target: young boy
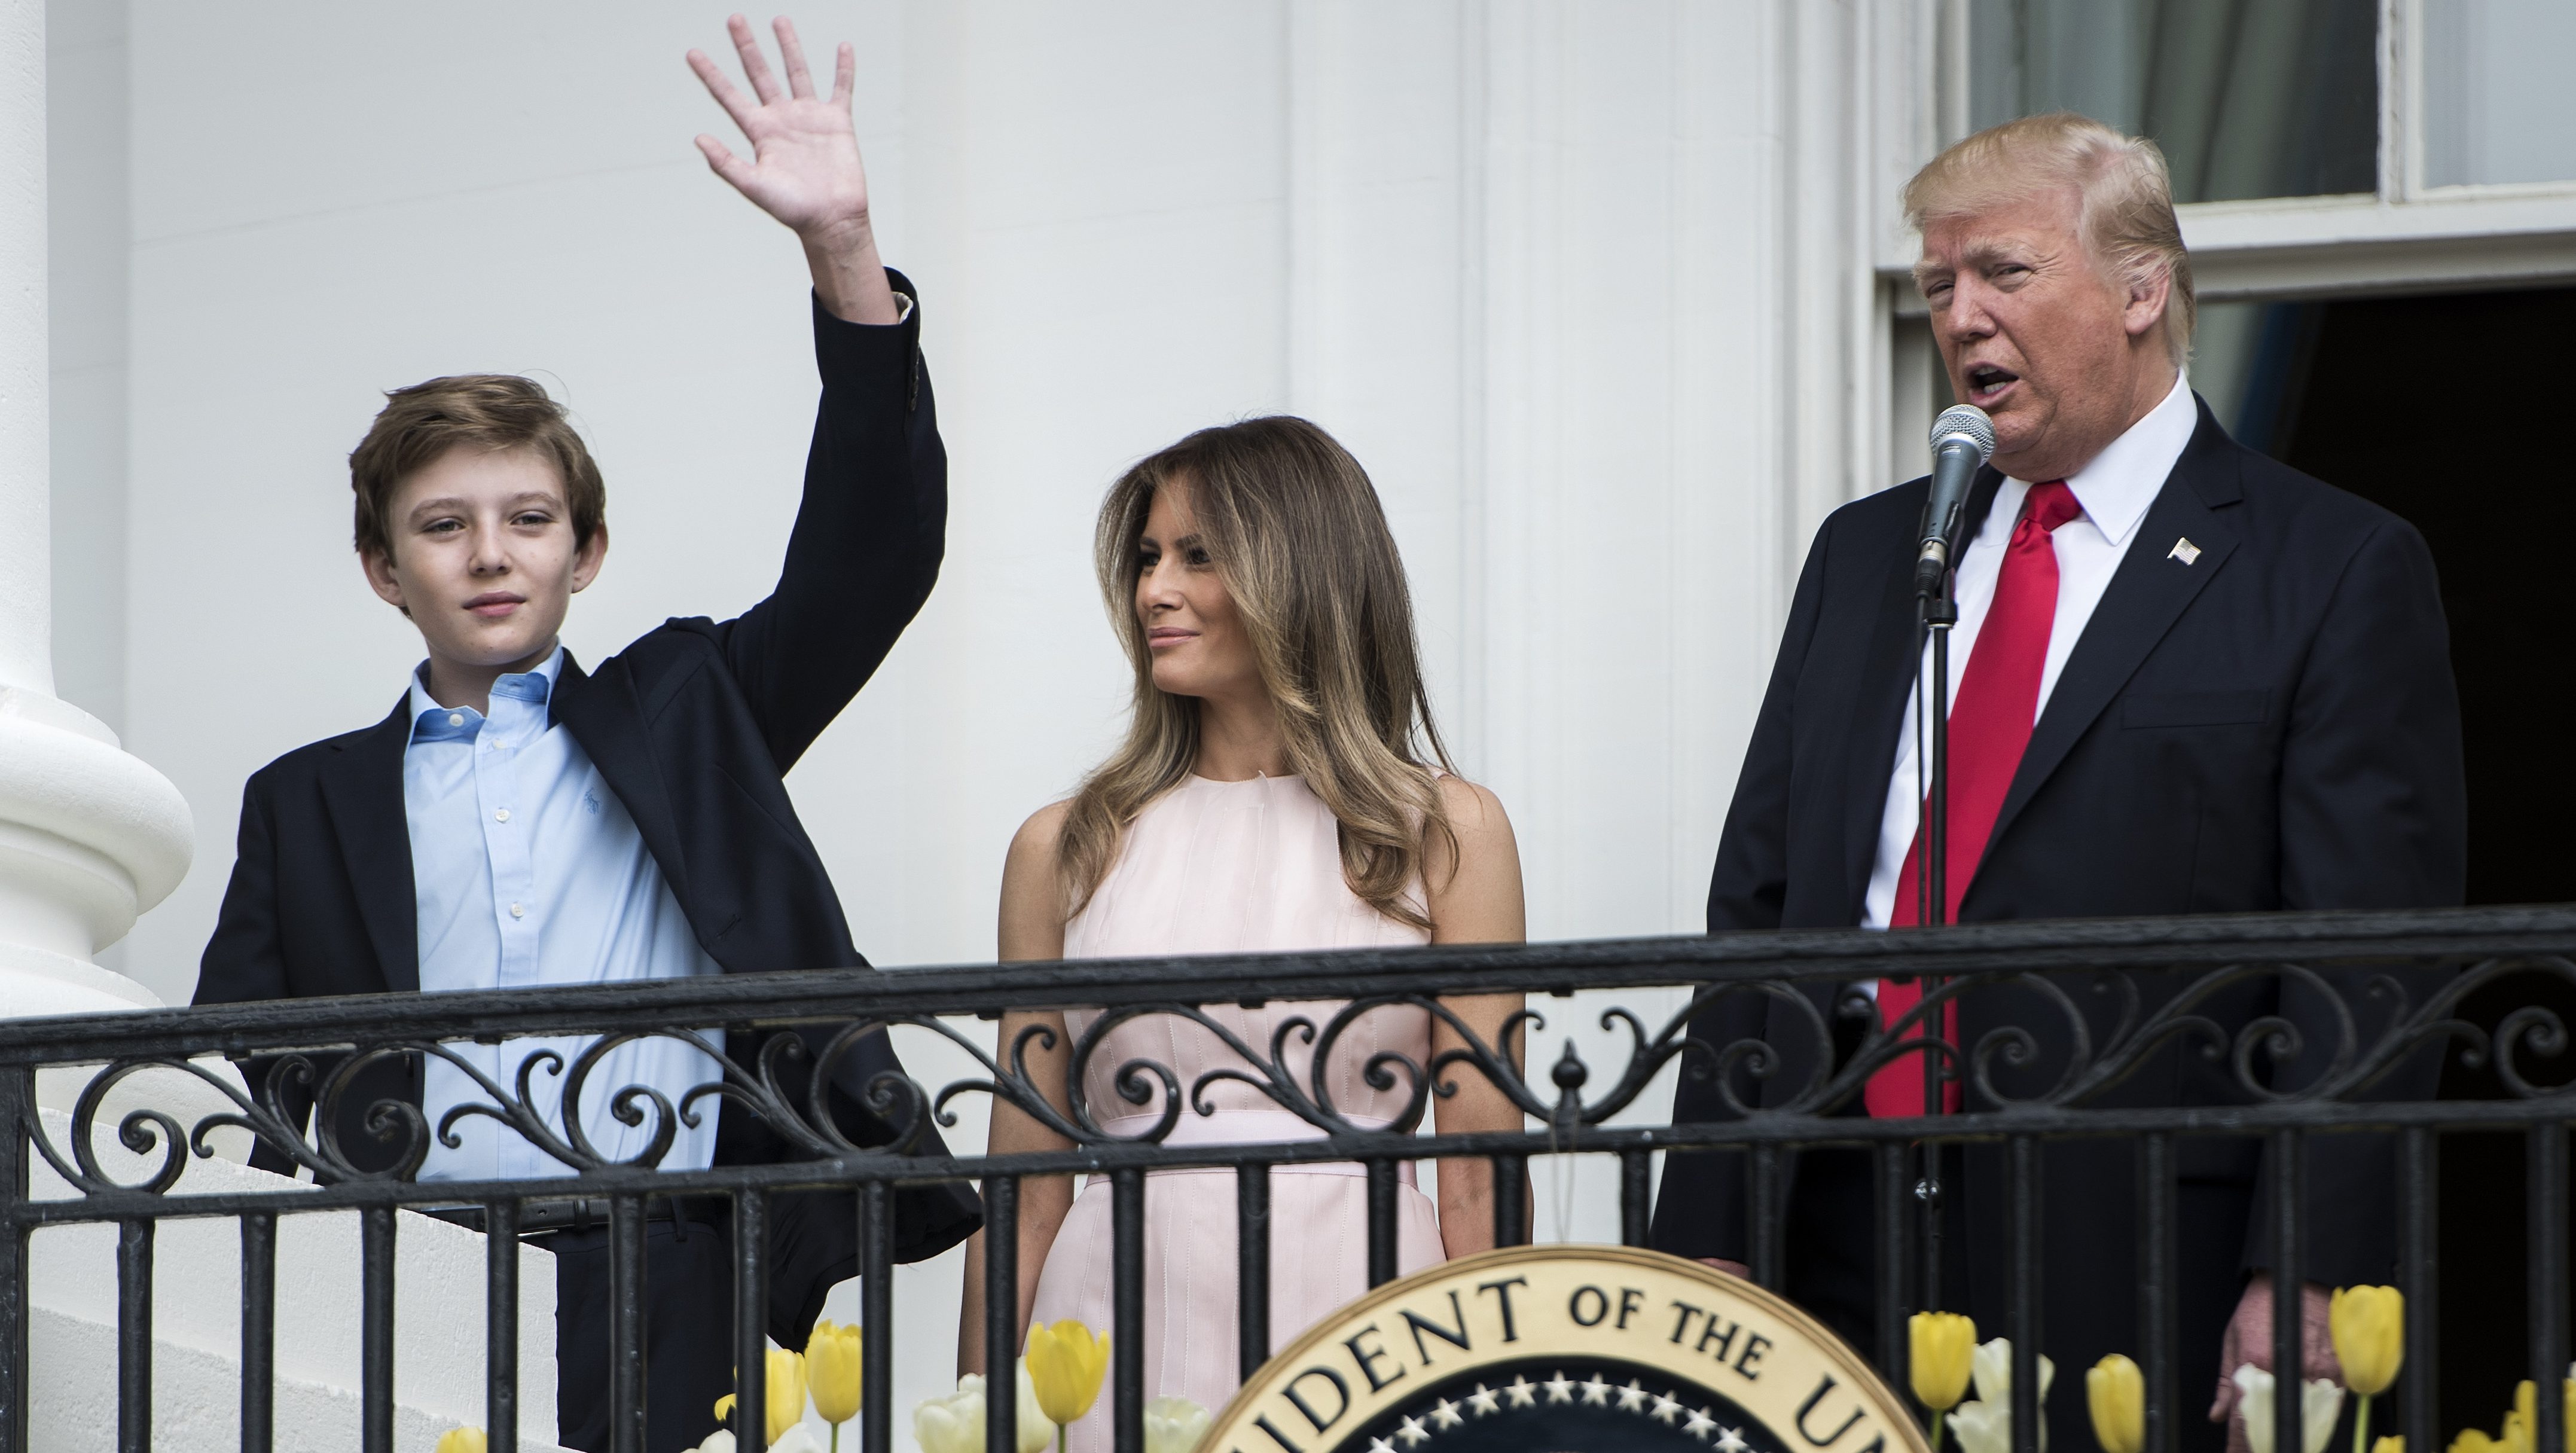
[517,821]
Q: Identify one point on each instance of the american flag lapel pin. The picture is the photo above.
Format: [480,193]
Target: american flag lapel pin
[2185,551]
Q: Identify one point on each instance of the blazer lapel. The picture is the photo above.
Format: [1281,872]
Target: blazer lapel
[362,789]
[2147,594]
[601,714]
[1886,695]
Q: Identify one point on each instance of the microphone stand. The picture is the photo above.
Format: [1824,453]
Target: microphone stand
[1939,612]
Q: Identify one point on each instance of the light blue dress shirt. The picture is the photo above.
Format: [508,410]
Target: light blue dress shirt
[527,870]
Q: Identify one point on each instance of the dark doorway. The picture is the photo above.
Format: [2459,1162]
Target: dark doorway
[2452,411]
[2449,410]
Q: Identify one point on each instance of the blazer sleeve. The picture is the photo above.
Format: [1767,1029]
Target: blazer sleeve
[1700,1209]
[2373,815]
[245,959]
[1751,881]
[2373,797]
[868,539]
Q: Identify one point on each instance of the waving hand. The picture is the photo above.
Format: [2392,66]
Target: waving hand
[805,168]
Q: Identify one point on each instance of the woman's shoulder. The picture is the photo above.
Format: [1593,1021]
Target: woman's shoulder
[1479,829]
[1472,809]
[1035,842]
[1032,925]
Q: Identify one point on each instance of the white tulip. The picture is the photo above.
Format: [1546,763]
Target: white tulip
[1985,1426]
[2320,1403]
[952,1424]
[799,1438]
[1174,1425]
[718,1441]
[1982,1427]
[1991,1365]
[955,1423]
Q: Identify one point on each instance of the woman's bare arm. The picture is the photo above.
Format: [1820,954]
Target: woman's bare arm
[1475,897]
[1032,927]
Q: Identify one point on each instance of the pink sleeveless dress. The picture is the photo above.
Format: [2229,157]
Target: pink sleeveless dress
[1226,867]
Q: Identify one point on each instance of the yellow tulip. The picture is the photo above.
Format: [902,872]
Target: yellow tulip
[461,1440]
[2522,1425]
[2393,1443]
[2117,1394]
[832,1371]
[1944,1343]
[1067,1362]
[786,1395]
[786,1392]
[2368,1325]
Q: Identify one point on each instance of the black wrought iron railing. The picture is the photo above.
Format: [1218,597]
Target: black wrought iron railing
[2085,1007]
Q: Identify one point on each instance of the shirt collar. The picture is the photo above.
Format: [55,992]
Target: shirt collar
[431,722]
[2116,488]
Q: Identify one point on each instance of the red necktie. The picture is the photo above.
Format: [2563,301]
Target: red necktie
[1989,729]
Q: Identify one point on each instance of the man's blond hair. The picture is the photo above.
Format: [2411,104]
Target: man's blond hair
[2127,217]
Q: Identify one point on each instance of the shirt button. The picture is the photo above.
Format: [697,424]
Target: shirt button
[518,910]
[500,814]
[456,718]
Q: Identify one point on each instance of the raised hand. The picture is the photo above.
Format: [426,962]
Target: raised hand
[805,168]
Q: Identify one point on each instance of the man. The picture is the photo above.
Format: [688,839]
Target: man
[2185,679]
[517,821]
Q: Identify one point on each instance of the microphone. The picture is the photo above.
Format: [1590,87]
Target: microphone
[1962,438]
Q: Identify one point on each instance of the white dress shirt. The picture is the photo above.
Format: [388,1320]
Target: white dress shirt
[2114,490]
[527,870]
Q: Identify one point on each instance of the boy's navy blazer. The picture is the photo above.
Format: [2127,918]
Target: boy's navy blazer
[693,725]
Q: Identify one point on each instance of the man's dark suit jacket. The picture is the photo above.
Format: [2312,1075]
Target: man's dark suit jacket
[693,725]
[2272,726]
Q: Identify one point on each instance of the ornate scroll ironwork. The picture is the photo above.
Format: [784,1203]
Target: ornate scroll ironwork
[2277,1030]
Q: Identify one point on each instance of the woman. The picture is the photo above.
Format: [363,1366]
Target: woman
[1281,787]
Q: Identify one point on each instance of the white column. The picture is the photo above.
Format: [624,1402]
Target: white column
[89,836]
[26,576]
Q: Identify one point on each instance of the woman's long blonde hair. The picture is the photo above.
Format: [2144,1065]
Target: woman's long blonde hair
[1297,537]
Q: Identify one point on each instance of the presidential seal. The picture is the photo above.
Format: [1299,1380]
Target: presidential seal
[1567,1349]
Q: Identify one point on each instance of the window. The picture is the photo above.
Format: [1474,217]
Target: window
[2248,98]
[2497,106]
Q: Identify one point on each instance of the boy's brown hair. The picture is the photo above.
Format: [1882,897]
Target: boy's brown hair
[491,411]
